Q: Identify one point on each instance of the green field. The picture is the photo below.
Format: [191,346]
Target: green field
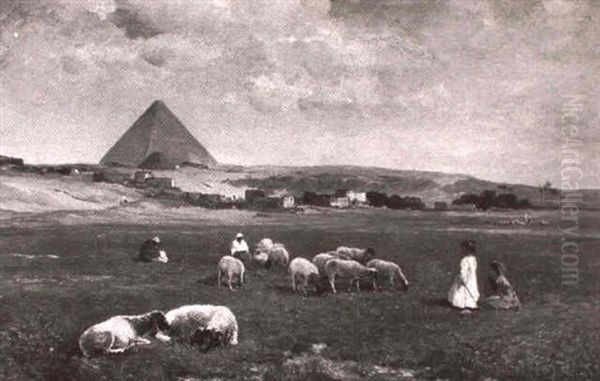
[47,302]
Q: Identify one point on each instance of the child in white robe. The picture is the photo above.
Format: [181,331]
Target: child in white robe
[464,293]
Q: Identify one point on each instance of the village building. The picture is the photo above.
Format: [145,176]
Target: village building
[141,176]
[340,202]
[288,202]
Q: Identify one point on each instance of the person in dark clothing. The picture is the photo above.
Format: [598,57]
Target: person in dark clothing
[152,251]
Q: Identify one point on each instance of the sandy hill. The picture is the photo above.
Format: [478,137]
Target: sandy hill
[26,192]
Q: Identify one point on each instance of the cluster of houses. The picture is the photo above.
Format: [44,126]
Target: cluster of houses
[341,198]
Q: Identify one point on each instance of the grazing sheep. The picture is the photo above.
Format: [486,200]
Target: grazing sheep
[268,253]
[120,333]
[205,325]
[231,268]
[305,271]
[320,260]
[359,255]
[264,245]
[389,270]
[347,269]
[278,256]
[261,253]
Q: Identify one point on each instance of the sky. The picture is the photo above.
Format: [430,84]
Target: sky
[474,87]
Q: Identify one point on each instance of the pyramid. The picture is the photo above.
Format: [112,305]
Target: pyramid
[158,140]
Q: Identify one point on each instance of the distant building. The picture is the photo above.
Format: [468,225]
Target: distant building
[160,182]
[140,176]
[357,197]
[340,202]
[288,202]
[7,160]
[252,195]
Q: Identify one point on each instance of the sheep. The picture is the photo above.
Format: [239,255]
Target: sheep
[264,245]
[278,255]
[359,255]
[269,253]
[305,271]
[389,270]
[230,267]
[320,260]
[347,269]
[205,325]
[120,333]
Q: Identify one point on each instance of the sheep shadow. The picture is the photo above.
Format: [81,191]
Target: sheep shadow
[436,302]
[209,280]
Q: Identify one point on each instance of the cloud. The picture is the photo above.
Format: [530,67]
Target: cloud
[435,78]
[132,22]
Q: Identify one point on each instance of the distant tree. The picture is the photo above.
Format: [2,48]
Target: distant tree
[546,188]
[414,203]
[467,199]
[377,199]
[507,201]
[487,199]
[395,202]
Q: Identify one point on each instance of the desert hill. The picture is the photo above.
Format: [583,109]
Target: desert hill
[29,192]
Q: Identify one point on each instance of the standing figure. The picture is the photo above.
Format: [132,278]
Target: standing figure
[464,292]
[503,295]
[239,248]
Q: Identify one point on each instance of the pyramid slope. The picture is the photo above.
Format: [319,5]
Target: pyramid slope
[157,131]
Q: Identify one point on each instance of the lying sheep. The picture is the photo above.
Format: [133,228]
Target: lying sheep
[231,268]
[306,272]
[347,269]
[358,255]
[120,333]
[389,270]
[320,260]
[205,326]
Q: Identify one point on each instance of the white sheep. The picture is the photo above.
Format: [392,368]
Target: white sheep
[264,245]
[231,268]
[389,270]
[269,253]
[261,253]
[278,255]
[359,255]
[303,270]
[347,269]
[320,260]
[120,333]
[205,325]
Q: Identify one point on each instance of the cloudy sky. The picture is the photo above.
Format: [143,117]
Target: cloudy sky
[463,86]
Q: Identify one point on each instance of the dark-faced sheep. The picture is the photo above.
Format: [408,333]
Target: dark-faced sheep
[277,256]
[348,269]
[120,333]
[388,270]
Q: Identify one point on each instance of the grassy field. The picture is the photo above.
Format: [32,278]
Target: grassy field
[46,302]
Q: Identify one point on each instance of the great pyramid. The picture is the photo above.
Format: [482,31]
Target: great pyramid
[158,140]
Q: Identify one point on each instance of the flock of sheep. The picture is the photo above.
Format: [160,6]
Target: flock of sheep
[207,326]
[345,262]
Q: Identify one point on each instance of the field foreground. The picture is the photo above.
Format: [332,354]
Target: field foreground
[56,280]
